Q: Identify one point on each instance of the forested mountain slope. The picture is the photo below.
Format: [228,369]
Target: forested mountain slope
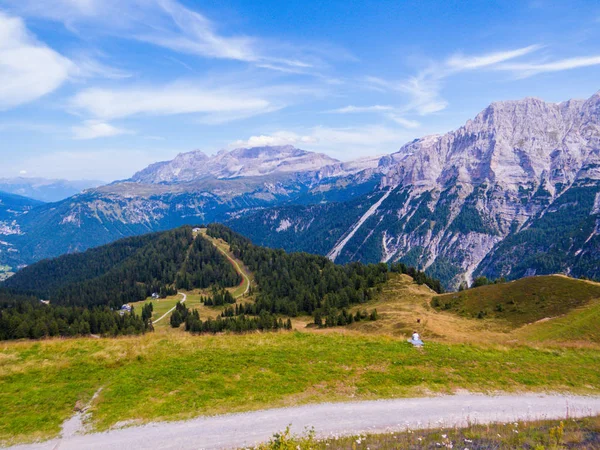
[128,270]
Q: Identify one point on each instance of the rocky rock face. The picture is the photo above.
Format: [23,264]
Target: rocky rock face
[479,200]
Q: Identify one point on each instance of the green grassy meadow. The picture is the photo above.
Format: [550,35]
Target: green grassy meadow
[170,376]
[580,324]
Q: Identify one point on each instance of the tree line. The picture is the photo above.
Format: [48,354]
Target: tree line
[227,321]
[29,319]
[338,319]
[219,297]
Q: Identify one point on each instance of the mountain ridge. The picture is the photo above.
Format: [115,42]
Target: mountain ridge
[459,205]
[455,197]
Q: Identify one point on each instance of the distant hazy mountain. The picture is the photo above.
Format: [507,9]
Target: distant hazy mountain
[46,190]
[514,192]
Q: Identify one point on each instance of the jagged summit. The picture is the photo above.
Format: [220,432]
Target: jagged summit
[513,143]
[240,162]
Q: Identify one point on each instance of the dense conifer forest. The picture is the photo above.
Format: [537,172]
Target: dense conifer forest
[24,317]
[128,271]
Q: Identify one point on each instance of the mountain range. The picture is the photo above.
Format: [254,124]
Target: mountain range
[513,192]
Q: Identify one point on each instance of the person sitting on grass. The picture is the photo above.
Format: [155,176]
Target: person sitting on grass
[416,340]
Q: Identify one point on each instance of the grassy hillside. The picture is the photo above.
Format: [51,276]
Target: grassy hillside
[522,301]
[173,375]
[581,324]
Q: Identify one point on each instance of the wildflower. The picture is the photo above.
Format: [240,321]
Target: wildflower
[358,441]
[444,436]
[516,431]
[468,441]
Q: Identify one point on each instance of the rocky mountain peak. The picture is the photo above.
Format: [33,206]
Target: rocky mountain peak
[240,162]
[525,142]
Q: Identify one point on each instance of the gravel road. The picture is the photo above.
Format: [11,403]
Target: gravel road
[240,430]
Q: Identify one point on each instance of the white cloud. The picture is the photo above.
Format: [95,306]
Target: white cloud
[361,109]
[424,89]
[343,143]
[28,69]
[168,24]
[386,111]
[191,32]
[423,93]
[524,70]
[92,129]
[167,100]
[277,138]
[404,122]
[89,67]
[459,62]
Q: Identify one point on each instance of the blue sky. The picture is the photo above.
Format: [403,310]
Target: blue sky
[101,88]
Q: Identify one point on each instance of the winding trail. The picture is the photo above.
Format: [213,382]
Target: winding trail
[237,266]
[243,430]
[171,310]
[240,271]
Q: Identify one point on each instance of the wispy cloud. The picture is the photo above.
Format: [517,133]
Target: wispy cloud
[403,121]
[423,92]
[524,70]
[344,143]
[168,24]
[460,62]
[424,88]
[28,68]
[389,112]
[93,129]
[179,98]
[350,109]
[88,67]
